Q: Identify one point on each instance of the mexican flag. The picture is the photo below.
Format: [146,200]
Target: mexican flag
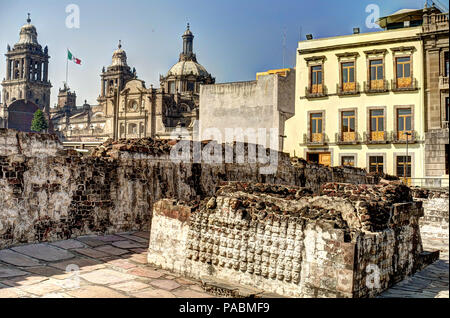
[72,58]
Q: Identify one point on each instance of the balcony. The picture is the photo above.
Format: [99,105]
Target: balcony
[347,138]
[443,82]
[347,89]
[376,137]
[317,91]
[435,22]
[404,84]
[317,139]
[399,137]
[374,87]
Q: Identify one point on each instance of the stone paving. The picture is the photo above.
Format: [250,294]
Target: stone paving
[110,266]
[431,282]
[115,266]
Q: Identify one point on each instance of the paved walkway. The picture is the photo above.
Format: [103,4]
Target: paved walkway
[113,266]
[91,266]
[431,282]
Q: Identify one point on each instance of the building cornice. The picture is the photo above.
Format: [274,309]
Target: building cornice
[360,44]
[348,54]
[376,52]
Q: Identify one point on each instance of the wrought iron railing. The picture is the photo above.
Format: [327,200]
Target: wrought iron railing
[322,92]
[412,86]
[372,88]
[347,138]
[400,137]
[341,90]
[376,137]
[315,139]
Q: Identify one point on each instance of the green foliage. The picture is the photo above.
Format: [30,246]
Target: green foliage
[39,122]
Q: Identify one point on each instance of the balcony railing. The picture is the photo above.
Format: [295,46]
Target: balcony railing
[404,84]
[344,89]
[317,92]
[315,139]
[435,22]
[376,137]
[443,82]
[347,138]
[373,87]
[400,137]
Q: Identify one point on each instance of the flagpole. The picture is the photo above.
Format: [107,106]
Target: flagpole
[67,67]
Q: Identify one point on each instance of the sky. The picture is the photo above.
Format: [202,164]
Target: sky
[234,39]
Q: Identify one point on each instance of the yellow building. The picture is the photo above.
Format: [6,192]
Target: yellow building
[358,98]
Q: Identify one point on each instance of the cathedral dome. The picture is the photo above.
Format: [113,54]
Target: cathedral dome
[119,57]
[187,68]
[28,33]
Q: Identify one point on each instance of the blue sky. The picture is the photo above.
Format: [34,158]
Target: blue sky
[234,39]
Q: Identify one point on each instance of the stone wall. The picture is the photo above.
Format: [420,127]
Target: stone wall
[285,240]
[434,225]
[48,193]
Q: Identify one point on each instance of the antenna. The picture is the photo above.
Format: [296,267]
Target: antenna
[284,47]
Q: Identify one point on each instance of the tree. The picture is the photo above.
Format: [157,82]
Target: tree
[39,122]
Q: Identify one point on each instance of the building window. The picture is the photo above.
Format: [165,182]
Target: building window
[348,76]
[376,74]
[133,105]
[323,158]
[376,164]
[316,79]
[404,78]
[377,125]
[190,86]
[404,123]
[171,87]
[316,127]
[404,168]
[132,129]
[348,161]
[348,123]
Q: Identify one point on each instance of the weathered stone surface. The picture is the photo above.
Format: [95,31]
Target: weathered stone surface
[68,244]
[17,259]
[154,293]
[45,271]
[288,241]
[95,292]
[127,244]
[130,286]
[166,284]
[111,250]
[145,272]
[91,252]
[44,252]
[82,264]
[113,190]
[10,272]
[106,276]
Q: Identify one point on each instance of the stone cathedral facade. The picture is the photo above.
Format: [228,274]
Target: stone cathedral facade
[26,87]
[127,108]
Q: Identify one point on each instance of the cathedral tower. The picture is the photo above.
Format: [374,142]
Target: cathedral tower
[116,75]
[27,71]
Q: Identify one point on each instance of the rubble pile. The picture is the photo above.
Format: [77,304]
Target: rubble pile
[151,146]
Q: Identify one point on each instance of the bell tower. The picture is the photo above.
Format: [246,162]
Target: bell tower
[27,70]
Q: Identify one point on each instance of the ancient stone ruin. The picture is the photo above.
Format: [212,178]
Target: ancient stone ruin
[289,241]
[305,231]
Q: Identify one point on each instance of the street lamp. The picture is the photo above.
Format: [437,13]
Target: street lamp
[406,158]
